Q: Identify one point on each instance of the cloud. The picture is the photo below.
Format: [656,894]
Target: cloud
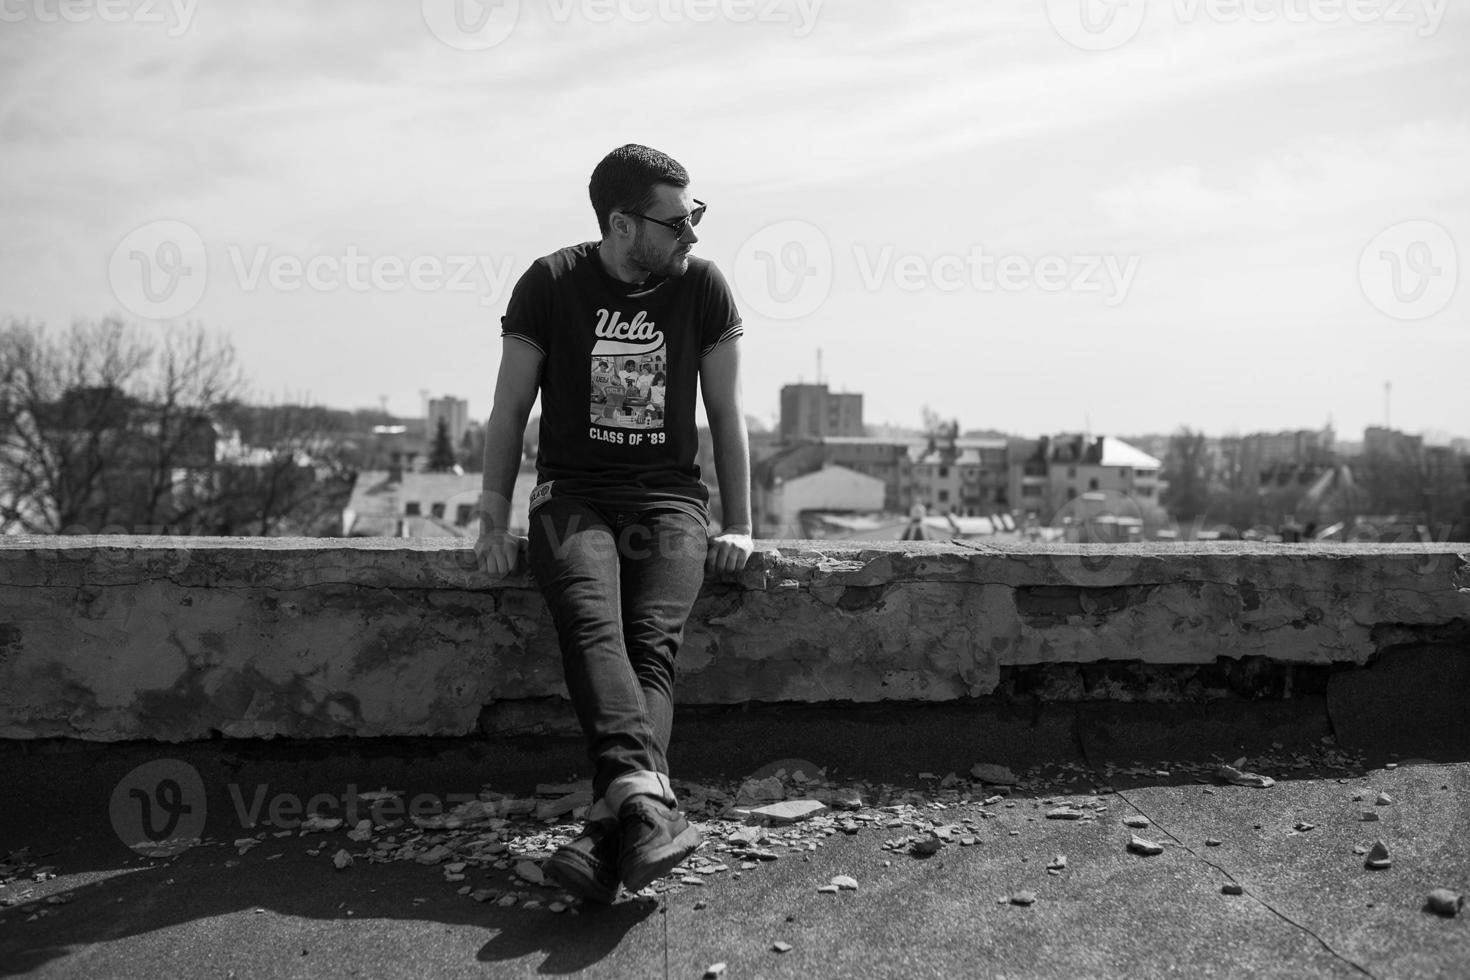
[1407,167]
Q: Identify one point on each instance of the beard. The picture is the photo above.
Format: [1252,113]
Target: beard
[659,261]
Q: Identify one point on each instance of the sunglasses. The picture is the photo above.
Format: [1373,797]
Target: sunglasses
[684,224]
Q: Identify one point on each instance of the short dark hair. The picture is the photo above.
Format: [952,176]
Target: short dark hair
[626,178]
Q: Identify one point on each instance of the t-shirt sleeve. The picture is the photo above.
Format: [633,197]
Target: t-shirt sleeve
[528,313]
[721,320]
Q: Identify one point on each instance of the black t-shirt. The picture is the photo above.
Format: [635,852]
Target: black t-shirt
[619,376]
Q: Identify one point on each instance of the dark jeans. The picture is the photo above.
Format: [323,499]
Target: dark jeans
[620,585]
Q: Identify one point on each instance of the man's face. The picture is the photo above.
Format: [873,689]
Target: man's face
[658,250]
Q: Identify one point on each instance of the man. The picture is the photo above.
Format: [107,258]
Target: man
[619,529]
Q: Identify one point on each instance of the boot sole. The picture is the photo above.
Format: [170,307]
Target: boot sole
[654,864]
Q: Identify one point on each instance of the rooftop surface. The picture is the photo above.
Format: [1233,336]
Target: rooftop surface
[993,899]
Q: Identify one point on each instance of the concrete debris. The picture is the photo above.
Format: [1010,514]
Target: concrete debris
[318,824]
[1232,774]
[756,792]
[1378,858]
[790,811]
[988,772]
[780,947]
[1147,848]
[845,882]
[1445,901]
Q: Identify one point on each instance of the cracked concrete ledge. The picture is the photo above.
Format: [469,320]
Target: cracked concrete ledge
[172,639]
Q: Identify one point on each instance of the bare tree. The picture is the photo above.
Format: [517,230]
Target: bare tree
[108,427]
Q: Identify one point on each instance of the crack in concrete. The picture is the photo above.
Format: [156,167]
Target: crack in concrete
[1099,776]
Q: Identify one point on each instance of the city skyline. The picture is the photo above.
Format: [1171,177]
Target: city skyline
[1178,217]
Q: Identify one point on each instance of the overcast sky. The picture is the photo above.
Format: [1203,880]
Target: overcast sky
[1032,216]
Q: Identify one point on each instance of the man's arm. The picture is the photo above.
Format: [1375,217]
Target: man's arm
[515,393]
[719,379]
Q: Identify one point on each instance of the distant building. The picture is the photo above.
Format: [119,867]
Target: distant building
[404,504]
[1276,458]
[810,411]
[1378,441]
[456,415]
[787,505]
[885,459]
[963,477]
[1049,473]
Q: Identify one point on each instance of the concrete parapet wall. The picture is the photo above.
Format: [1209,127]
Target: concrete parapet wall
[110,638]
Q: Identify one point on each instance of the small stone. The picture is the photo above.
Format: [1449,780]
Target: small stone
[1384,800]
[1023,898]
[506,901]
[342,859]
[714,971]
[845,882]
[926,847]
[1360,850]
[557,907]
[530,871]
[1378,858]
[1231,888]
[1302,826]
[1212,842]
[1147,848]
[1058,863]
[1445,902]
[692,880]
[781,947]
[1369,816]
[828,889]
[701,905]
[1135,821]
[1064,813]
[969,841]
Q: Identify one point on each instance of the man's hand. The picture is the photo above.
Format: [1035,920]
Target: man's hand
[728,552]
[499,552]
